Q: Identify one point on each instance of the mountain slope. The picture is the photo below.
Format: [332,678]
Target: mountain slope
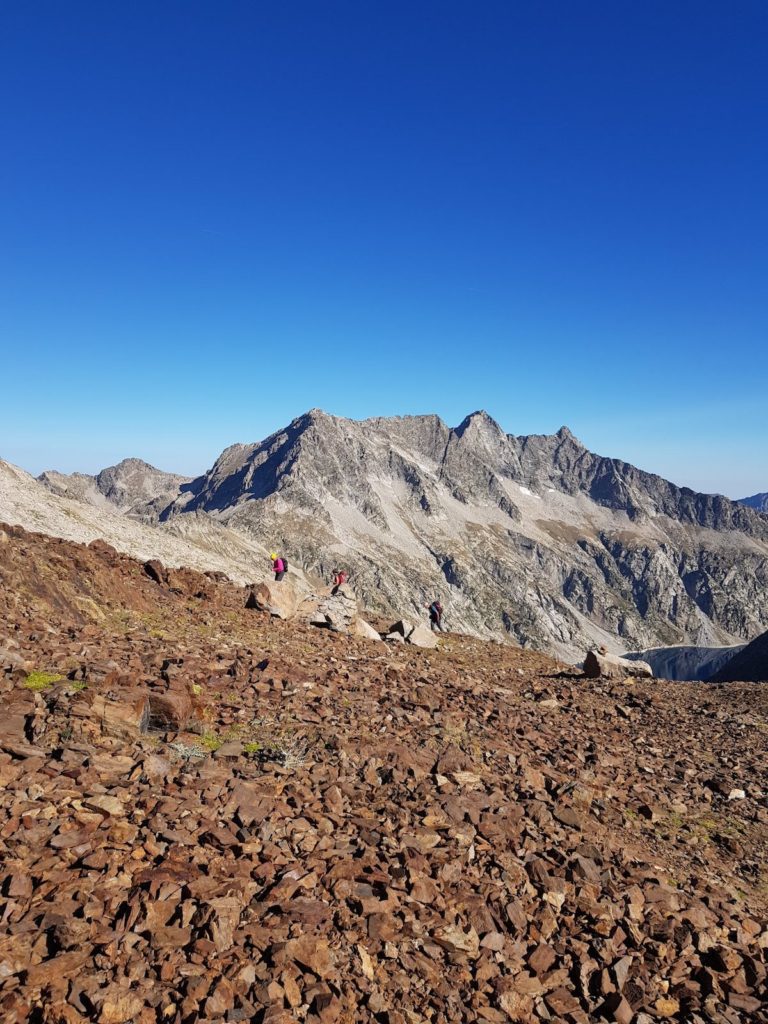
[532,536]
[195,541]
[686,663]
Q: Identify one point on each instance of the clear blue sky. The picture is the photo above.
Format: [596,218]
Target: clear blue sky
[214,216]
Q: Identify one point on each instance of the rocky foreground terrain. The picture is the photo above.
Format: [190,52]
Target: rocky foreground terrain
[532,538]
[211,815]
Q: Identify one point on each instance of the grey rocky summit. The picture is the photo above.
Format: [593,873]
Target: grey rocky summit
[132,486]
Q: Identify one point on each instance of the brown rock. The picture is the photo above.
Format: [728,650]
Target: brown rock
[169,710]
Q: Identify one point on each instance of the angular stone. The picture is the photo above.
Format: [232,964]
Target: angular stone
[422,636]
[610,666]
[169,709]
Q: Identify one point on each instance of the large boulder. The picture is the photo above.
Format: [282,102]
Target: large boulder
[126,718]
[337,611]
[599,664]
[279,599]
[170,709]
[422,636]
[156,571]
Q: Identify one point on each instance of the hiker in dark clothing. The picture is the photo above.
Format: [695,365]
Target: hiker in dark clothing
[279,566]
[436,617]
[339,579]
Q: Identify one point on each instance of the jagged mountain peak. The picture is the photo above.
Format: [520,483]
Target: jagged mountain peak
[479,419]
[566,434]
[132,464]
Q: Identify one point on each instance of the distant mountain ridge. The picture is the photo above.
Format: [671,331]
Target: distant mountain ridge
[759,502]
[531,537]
[132,486]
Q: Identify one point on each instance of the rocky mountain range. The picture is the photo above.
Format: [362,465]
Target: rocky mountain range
[756,501]
[195,541]
[532,537]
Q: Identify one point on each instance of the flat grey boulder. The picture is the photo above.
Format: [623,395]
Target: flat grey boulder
[337,611]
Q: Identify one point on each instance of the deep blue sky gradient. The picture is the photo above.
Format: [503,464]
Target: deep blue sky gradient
[214,216]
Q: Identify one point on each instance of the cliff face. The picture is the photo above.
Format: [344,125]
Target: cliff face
[533,537]
[750,664]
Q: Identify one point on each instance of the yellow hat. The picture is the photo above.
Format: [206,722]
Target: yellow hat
[273,556]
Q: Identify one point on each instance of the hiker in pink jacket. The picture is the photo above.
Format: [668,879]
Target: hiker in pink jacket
[279,566]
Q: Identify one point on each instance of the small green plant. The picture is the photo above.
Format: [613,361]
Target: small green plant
[77,686]
[210,741]
[37,681]
[197,689]
[252,748]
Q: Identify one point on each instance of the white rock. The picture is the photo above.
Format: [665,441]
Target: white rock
[611,666]
[421,636]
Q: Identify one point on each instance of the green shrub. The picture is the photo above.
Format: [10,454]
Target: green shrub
[210,741]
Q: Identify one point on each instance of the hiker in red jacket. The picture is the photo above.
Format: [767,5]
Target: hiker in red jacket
[339,579]
[279,566]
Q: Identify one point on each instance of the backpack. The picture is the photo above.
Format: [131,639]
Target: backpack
[285,564]
[436,608]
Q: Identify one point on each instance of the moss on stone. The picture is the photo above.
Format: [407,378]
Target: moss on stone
[38,681]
